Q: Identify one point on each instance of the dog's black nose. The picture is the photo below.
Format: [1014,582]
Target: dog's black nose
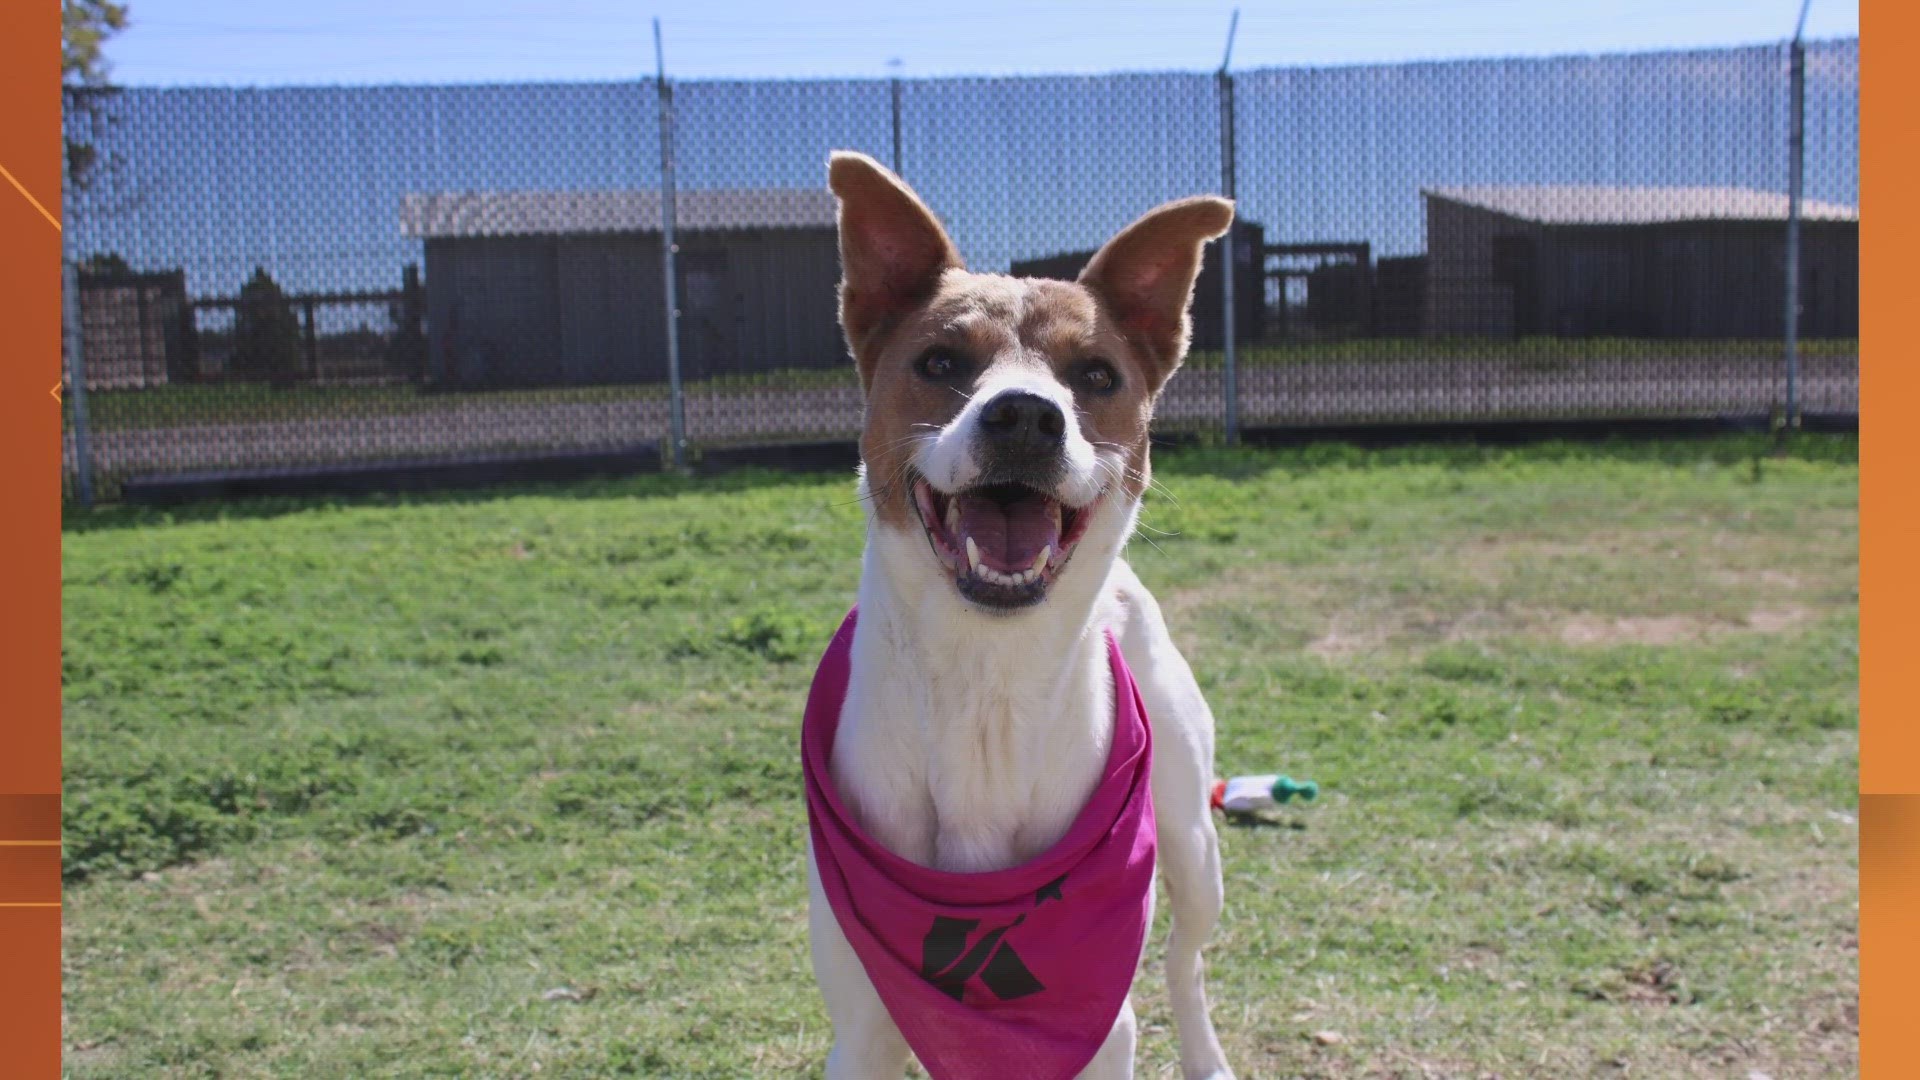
[1018,420]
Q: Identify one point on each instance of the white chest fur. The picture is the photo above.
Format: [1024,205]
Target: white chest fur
[970,742]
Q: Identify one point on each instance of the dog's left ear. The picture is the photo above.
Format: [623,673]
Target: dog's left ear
[1145,275]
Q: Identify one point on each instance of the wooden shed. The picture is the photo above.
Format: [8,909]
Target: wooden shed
[137,330]
[1668,262]
[565,288]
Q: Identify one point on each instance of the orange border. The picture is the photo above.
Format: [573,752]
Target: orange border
[1889,933]
[1889,527]
[1890,530]
[30,545]
[29,413]
[1889,386]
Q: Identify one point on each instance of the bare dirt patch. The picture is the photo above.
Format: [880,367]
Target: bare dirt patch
[1779,620]
[1783,580]
[1342,641]
[1498,585]
[1641,630]
[1676,629]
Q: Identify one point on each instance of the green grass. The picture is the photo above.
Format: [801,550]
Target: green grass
[359,789]
[217,403]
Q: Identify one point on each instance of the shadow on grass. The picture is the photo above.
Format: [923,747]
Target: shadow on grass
[645,487]
[1243,463]
[1254,822]
[1220,462]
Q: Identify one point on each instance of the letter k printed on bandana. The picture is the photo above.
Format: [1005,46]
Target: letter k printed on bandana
[1016,974]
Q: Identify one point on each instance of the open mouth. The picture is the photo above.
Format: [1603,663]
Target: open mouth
[1005,543]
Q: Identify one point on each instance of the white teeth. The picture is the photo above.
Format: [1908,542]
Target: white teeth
[953,516]
[996,577]
[999,577]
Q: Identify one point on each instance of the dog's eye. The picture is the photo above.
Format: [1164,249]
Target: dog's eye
[939,365]
[1098,376]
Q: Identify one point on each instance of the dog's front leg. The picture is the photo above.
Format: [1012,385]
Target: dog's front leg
[1189,847]
[1190,866]
[866,1044]
[1114,1061]
[1190,861]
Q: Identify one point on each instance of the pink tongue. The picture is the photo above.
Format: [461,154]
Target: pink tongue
[1009,537]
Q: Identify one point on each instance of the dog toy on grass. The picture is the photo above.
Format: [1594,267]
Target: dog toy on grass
[1245,794]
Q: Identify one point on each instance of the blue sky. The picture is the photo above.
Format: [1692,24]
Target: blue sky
[309,181]
[246,42]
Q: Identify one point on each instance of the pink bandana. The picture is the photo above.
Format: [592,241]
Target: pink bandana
[1011,975]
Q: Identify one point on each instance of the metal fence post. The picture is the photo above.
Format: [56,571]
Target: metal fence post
[896,127]
[312,344]
[1796,164]
[677,419]
[1228,264]
[76,374]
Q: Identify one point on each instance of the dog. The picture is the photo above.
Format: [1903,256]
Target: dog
[1003,459]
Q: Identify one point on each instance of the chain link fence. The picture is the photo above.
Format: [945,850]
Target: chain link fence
[311,278]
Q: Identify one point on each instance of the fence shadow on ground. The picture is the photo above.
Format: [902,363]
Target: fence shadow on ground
[1170,462]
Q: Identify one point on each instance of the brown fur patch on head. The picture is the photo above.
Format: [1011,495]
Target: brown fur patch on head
[904,292]
[987,322]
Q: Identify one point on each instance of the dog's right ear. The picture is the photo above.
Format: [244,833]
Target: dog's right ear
[892,249]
